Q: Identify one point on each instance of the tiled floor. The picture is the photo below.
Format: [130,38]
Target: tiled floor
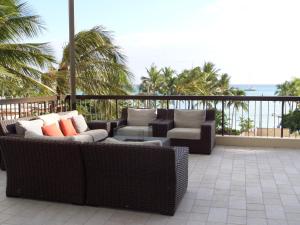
[231,186]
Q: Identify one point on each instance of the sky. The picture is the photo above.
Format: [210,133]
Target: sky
[254,41]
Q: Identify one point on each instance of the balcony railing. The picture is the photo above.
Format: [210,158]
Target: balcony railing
[236,115]
[14,108]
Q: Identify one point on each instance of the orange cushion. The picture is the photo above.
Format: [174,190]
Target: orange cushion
[67,127]
[52,130]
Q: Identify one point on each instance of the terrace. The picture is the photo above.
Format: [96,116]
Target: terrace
[236,184]
[233,185]
[252,176]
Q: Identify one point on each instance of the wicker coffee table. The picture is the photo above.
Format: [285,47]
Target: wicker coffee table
[165,141]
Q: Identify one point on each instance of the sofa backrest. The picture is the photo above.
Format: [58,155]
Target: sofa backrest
[124,113]
[8,127]
[168,114]
[41,161]
[189,118]
[165,114]
[210,114]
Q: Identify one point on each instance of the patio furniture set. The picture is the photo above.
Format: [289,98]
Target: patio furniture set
[138,162]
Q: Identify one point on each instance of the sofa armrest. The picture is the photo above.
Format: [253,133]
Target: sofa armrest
[160,127]
[131,172]
[208,132]
[99,124]
[115,124]
[181,171]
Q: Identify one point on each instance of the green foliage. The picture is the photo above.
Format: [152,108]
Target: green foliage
[219,121]
[246,124]
[100,66]
[227,129]
[289,88]
[21,63]
[205,80]
[292,121]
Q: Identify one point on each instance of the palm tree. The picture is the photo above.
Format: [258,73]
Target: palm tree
[152,84]
[289,88]
[284,89]
[22,63]
[100,69]
[236,105]
[169,81]
[100,66]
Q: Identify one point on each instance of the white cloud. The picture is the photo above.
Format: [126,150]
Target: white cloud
[254,41]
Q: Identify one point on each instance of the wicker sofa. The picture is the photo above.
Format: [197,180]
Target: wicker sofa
[8,128]
[144,178]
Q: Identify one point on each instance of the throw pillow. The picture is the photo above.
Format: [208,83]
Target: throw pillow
[67,127]
[80,124]
[50,118]
[34,126]
[52,130]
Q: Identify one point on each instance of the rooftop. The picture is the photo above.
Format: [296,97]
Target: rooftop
[253,186]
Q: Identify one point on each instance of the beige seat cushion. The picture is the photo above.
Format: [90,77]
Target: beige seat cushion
[97,135]
[189,118]
[140,117]
[185,133]
[83,138]
[144,143]
[135,131]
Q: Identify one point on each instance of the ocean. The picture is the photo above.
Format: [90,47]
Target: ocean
[257,89]
[251,90]
[262,114]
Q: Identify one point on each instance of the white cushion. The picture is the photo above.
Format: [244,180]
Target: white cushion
[79,138]
[83,138]
[189,118]
[144,143]
[185,133]
[80,123]
[140,117]
[97,135]
[32,135]
[135,131]
[68,115]
[50,118]
[34,126]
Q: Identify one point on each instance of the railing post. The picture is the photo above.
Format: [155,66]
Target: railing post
[223,117]
[282,115]
[117,114]
[167,104]
[19,109]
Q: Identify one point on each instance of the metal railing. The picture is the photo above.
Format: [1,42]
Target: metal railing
[29,107]
[236,115]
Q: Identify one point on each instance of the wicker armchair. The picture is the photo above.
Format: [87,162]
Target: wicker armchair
[165,122]
[122,126]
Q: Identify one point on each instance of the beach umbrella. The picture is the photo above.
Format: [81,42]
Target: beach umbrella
[72,54]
